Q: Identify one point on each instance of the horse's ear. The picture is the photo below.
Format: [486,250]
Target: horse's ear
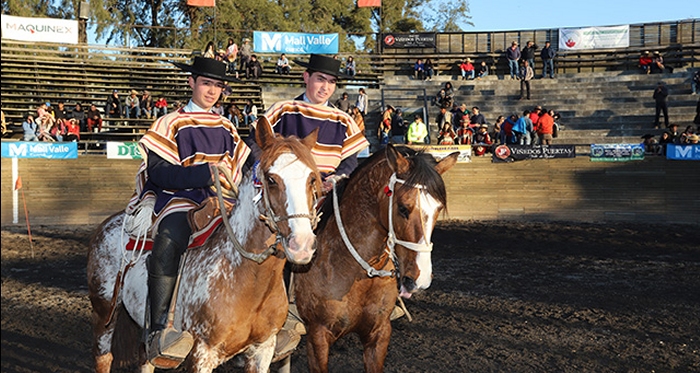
[263,132]
[398,162]
[446,163]
[310,140]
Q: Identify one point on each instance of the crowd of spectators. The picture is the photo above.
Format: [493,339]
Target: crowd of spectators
[654,146]
[463,126]
[60,123]
[51,123]
[652,63]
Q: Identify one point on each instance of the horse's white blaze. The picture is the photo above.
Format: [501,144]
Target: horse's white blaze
[429,208]
[295,175]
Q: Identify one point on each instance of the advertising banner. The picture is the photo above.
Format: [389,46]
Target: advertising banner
[414,40]
[512,152]
[294,43]
[616,152]
[368,3]
[594,37]
[40,29]
[123,150]
[442,151]
[31,149]
[201,2]
[683,152]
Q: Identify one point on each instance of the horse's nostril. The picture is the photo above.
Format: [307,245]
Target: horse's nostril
[408,283]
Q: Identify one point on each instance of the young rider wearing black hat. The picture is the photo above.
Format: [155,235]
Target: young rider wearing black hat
[175,177]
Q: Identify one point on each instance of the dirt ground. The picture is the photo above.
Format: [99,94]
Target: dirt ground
[507,297]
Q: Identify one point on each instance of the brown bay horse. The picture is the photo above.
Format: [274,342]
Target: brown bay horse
[387,212]
[230,304]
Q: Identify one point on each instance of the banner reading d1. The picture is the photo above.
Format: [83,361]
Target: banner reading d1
[616,152]
[294,43]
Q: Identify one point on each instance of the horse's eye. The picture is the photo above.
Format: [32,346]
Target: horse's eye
[403,210]
[271,181]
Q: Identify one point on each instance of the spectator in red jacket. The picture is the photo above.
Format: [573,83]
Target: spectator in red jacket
[535,117]
[94,119]
[545,128]
[645,62]
[467,69]
[72,130]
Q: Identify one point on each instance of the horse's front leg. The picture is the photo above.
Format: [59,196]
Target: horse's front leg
[318,343]
[376,345]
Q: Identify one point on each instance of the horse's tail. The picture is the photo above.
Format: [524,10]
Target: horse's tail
[127,344]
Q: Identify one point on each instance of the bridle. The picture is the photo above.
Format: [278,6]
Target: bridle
[269,218]
[391,241]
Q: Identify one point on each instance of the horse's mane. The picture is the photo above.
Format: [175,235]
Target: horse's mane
[422,172]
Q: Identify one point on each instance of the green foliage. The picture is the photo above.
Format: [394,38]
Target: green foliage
[174,24]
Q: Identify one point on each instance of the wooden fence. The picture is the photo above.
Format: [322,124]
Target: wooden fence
[88,189]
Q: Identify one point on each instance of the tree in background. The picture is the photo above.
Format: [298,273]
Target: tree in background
[174,24]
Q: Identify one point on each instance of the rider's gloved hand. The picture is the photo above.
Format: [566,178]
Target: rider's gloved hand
[330,180]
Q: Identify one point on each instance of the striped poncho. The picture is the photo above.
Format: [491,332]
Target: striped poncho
[339,137]
[187,139]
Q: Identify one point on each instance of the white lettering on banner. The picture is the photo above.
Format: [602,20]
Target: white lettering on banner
[48,148]
[18,150]
[684,151]
[296,43]
[271,42]
[318,40]
[293,40]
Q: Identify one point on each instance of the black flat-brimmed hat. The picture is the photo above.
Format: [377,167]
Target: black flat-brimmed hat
[323,64]
[208,67]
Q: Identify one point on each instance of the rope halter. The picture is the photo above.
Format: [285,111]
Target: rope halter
[392,241]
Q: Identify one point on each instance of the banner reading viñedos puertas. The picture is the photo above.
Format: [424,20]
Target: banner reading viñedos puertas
[413,40]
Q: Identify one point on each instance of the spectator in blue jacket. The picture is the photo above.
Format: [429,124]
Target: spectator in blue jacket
[522,129]
[513,55]
[419,70]
[30,128]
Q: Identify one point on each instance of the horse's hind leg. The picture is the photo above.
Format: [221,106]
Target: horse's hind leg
[319,340]
[376,345]
[102,336]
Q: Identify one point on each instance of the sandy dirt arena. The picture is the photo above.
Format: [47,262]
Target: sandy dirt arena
[506,297]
